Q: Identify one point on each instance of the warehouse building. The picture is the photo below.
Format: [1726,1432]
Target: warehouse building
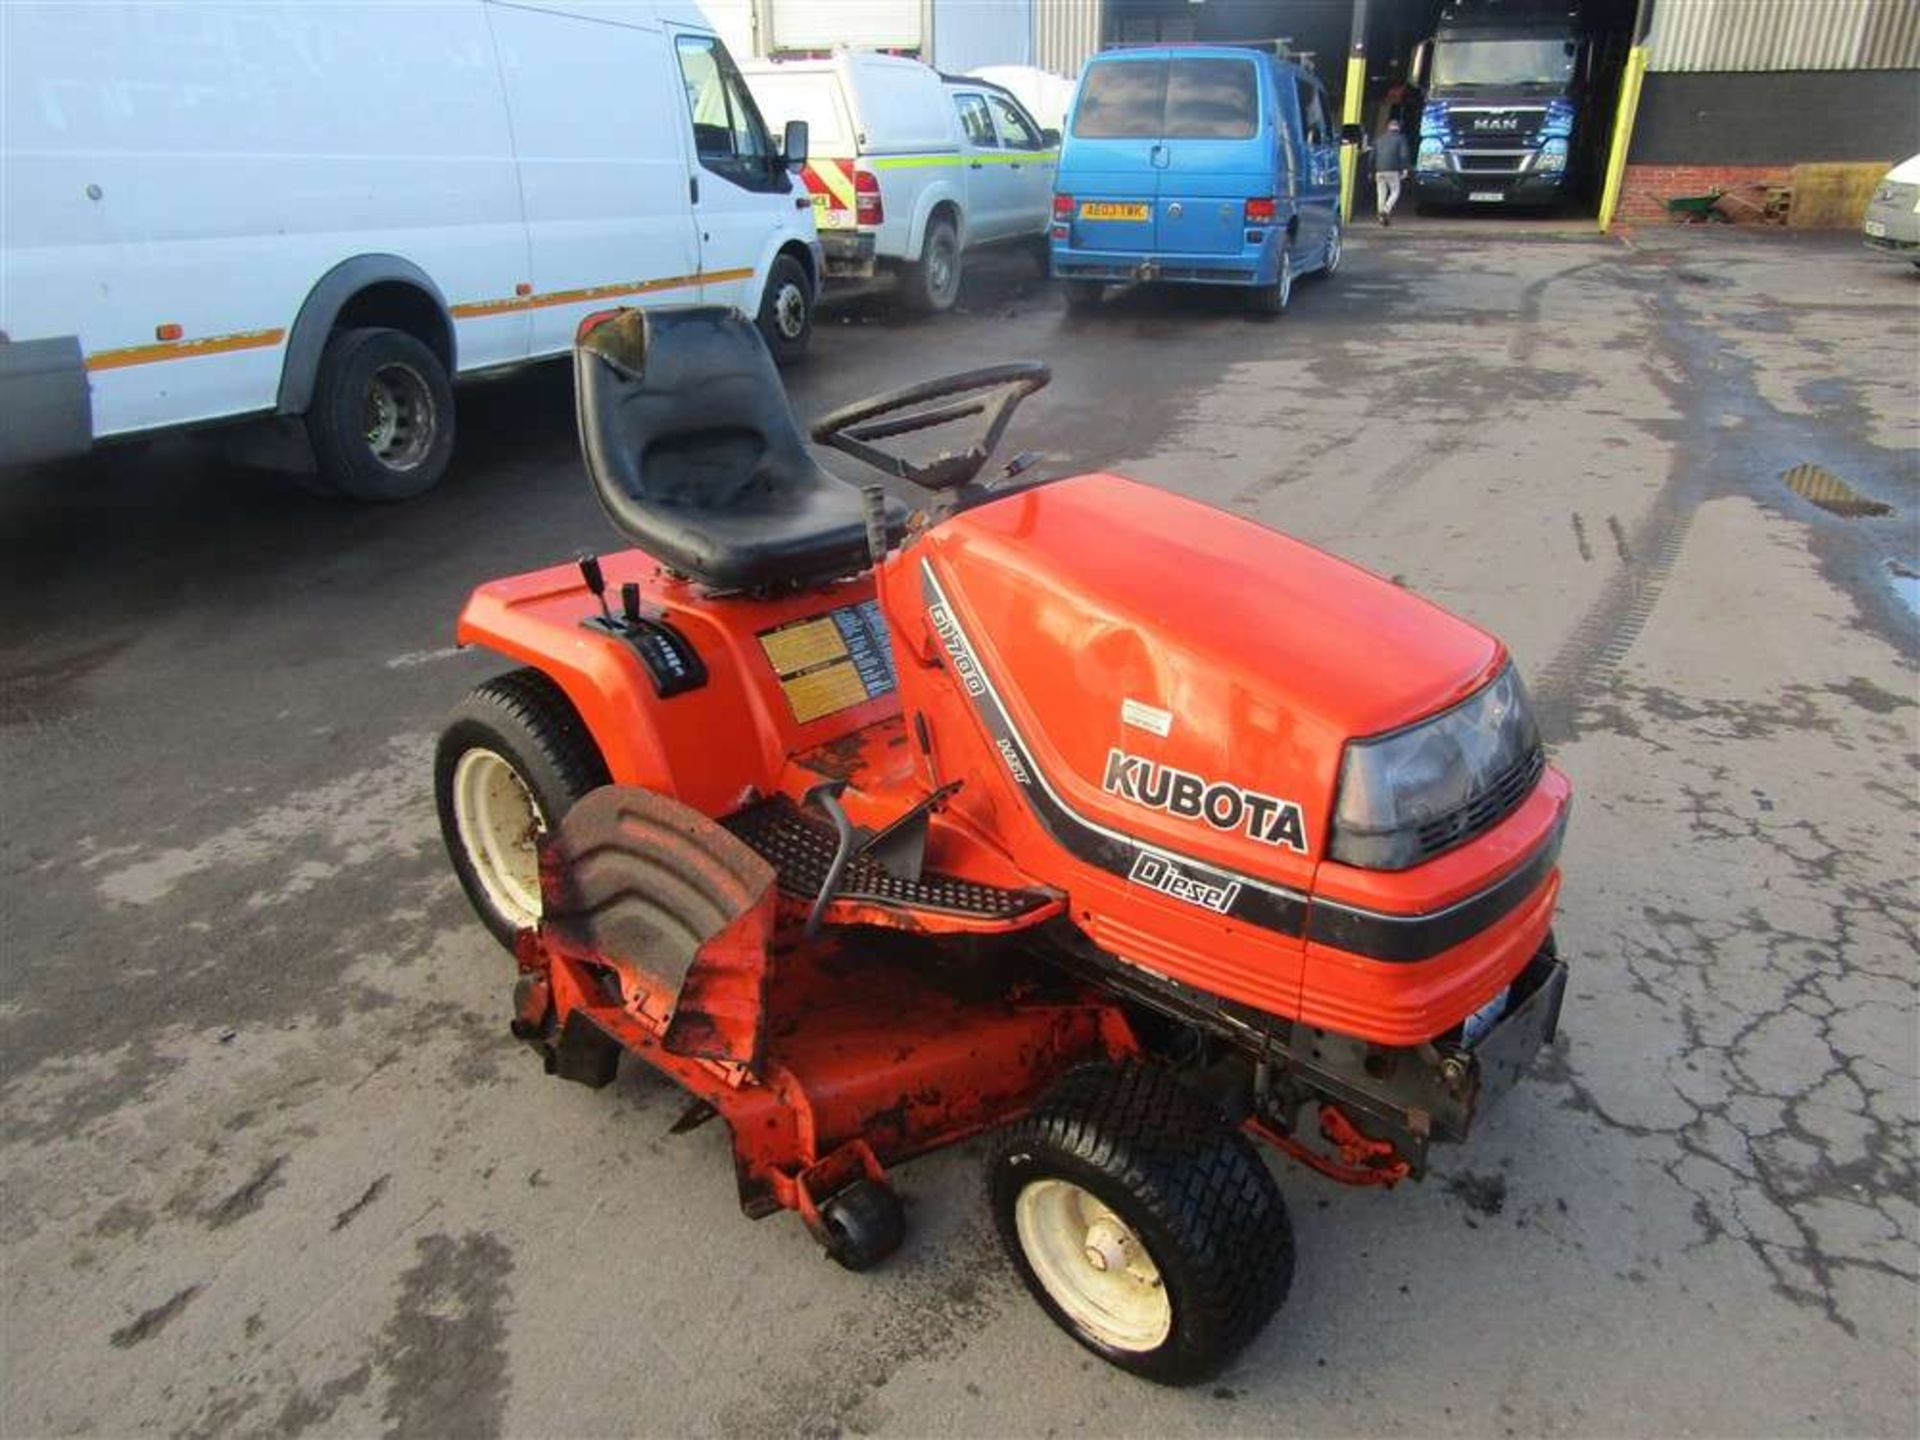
[1806,102]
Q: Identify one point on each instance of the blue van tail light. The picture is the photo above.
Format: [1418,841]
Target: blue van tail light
[1260,211]
[1063,207]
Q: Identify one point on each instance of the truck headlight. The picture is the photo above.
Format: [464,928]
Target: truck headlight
[1407,796]
[1432,156]
[1553,157]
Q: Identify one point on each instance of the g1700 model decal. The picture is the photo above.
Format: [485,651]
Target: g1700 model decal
[1224,806]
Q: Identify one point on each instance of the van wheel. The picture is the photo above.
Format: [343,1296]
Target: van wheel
[1272,299]
[786,310]
[933,284]
[513,758]
[1335,240]
[381,421]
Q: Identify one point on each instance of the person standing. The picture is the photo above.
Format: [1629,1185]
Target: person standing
[1390,157]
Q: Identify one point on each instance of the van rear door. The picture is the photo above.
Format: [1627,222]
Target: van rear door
[1213,153]
[1110,168]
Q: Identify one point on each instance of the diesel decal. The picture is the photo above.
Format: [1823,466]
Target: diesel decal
[957,651]
[1016,767]
[1265,818]
[1169,877]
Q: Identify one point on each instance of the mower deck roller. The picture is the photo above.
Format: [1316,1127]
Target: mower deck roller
[1063,808]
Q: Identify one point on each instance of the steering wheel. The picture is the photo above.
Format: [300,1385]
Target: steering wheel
[852,428]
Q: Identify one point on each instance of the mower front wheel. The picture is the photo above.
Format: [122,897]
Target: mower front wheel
[862,1225]
[1145,1225]
[513,758]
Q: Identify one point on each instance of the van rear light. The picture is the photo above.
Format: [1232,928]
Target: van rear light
[594,321]
[1063,207]
[867,206]
[1260,211]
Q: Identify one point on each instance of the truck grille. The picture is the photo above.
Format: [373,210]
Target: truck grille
[1486,809]
[1496,125]
[1489,162]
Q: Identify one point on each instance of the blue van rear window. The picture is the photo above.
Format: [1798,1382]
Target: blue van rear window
[1187,99]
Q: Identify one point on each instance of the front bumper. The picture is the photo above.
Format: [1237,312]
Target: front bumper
[1437,188]
[1893,228]
[1252,266]
[1420,1094]
[849,254]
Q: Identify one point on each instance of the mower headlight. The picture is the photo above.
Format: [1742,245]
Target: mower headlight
[1407,796]
[1553,157]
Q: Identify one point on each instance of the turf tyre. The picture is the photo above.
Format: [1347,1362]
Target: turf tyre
[1192,1187]
[526,720]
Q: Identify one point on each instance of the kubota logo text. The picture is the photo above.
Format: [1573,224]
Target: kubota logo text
[1265,818]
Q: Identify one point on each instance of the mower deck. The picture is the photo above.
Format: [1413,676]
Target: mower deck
[872,1056]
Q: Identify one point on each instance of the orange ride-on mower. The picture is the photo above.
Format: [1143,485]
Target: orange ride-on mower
[1066,809]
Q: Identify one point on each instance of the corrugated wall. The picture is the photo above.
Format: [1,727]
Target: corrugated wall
[1749,35]
[1065,34]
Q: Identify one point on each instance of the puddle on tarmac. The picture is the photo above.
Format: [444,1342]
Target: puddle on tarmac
[1831,493]
[1906,584]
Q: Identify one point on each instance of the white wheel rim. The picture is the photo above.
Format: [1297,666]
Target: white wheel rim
[1094,1265]
[498,821]
[1286,280]
[790,311]
[1333,251]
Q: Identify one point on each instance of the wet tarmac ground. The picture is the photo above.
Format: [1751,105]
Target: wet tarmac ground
[272,1164]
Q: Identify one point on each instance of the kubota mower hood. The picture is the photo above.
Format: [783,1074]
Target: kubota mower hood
[1179,675]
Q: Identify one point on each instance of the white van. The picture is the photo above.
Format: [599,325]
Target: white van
[910,169]
[210,211]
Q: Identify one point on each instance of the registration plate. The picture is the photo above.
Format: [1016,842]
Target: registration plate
[1493,195]
[1111,210]
[827,217]
[1876,229]
[1482,1020]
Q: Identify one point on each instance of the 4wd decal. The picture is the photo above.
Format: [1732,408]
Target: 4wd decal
[1016,767]
[1224,806]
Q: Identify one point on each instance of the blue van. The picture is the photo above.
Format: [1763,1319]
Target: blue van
[1202,164]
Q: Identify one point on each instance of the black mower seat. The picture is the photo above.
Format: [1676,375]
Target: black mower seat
[695,455]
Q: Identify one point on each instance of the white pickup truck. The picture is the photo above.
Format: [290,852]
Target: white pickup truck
[909,169]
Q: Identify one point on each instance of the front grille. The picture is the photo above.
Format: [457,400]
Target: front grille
[1490,163]
[1486,809]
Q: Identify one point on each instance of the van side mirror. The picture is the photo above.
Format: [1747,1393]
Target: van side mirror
[793,144]
[1352,135]
[1050,139]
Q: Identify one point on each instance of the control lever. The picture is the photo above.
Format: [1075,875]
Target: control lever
[596,582]
[827,796]
[873,508]
[630,603]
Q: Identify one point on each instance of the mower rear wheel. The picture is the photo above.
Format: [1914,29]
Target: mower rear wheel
[1144,1224]
[863,1225]
[513,758]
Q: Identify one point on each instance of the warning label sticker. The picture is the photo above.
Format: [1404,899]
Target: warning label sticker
[831,662]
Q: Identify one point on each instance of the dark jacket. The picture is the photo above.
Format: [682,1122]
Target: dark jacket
[1391,152]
